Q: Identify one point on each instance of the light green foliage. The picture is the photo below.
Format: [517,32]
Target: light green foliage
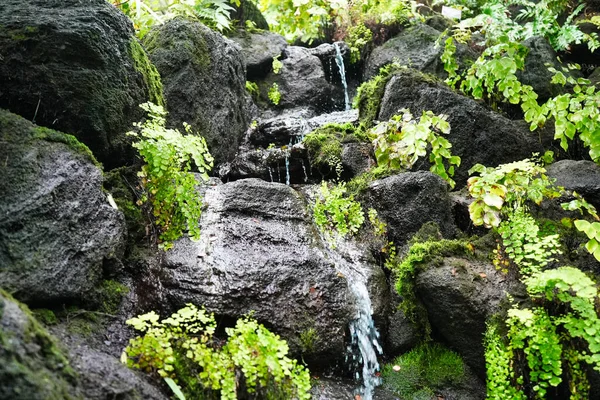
[169,186]
[308,340]
[252,88]
[552,19]
[509,185]
[335,214]
[549,336]
[575,113]
[147,13]
[359,37]
[423,370]
[183,348]
[274,94]
[524,244]
[276,65]
[401,141]
[592,231]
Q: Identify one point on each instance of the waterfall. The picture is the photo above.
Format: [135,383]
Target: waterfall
[364,346]
[339,60]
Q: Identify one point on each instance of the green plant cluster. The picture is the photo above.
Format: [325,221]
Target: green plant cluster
[422,371]
[401,141]
[274,94]
[358,39]
[336,214]
[324,146]
[169,186]
[147,13]
[183,349]
[556,339]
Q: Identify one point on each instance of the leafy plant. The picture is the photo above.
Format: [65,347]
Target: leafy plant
[549,337]
[277,65]
[252,88]
[183,348]
[401,141]
[169,186]
[359,37]
[335,214]
[147,13]
[426,368]
[274,94]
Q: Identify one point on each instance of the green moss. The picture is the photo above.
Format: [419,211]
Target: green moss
[47,317]
[111,294]
[420,256]
[49,135]
[308,340]
[324,146]
[32,365]
[423,371]
[149,73]
[359,184]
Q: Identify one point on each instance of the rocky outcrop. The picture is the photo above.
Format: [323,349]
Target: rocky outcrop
[76,67]
[259,251]
[259,49]
[408,200]
[204,79]
[417,47]
[32,366]
[57,229]
[478,135]
[247,10]
[460,295]
[301,82]
[582,177]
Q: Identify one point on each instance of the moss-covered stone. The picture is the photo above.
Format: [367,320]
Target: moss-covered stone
[47,317]
[111,294]
[49,135]
[32,365]
[324,146]
[149,73]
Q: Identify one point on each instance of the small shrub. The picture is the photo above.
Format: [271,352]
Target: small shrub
[183,349]
[274,94]
[169,186]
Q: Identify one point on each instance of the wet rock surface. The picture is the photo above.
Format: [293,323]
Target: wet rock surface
[259,49]
[478,135]
[406,201]
[76,67]
[580,176]
[57,228]
[204,80]
[260,252]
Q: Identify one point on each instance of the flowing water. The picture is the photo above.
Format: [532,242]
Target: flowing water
[364,346]
[339,60]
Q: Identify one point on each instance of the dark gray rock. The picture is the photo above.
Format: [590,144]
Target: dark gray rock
[478,135]
[357,158]
[407,201]
[259,49]
[259,251]
[540,56]
[57,228]
[204,81]
[75,66]
[595,77]
[301,81]
[460,295]
[416,48]
[580,176]
[32,366]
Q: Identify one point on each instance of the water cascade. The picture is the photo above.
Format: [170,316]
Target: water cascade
[339,60]
[364,346]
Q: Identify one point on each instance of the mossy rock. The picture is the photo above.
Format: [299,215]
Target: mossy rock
[32,366]
[90,72]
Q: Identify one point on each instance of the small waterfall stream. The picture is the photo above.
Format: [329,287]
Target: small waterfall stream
[339,60]
[364,346]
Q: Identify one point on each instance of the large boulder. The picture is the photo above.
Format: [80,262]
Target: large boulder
[417,47]
[204,80]
[57,229]
[407,201]
[32,366]
[478,134]
[301,82]
[259,49]
[460,295]
[259,252]
[76,66]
